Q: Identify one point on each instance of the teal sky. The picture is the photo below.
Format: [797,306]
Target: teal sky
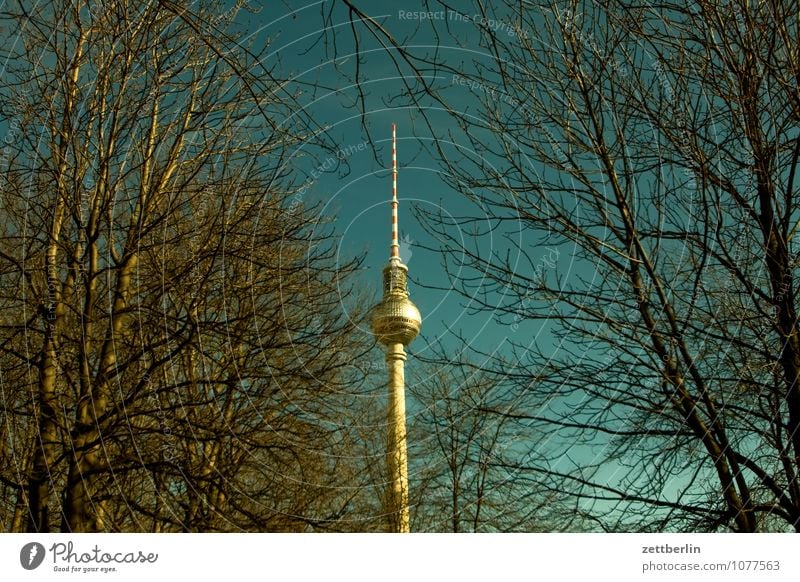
[357,194]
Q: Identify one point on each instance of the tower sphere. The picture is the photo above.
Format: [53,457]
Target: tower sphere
[396,320]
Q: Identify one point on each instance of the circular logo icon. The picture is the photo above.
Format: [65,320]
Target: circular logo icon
[31,555]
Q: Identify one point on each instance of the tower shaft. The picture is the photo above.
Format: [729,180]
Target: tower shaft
[397,453]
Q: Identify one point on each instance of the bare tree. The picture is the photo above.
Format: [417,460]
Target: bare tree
[462,440]
[639,162]
[656,149]
[175,350]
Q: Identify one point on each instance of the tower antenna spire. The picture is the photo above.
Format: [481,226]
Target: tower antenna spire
[395,247]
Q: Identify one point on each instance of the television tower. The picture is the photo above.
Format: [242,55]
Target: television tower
[396,322]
